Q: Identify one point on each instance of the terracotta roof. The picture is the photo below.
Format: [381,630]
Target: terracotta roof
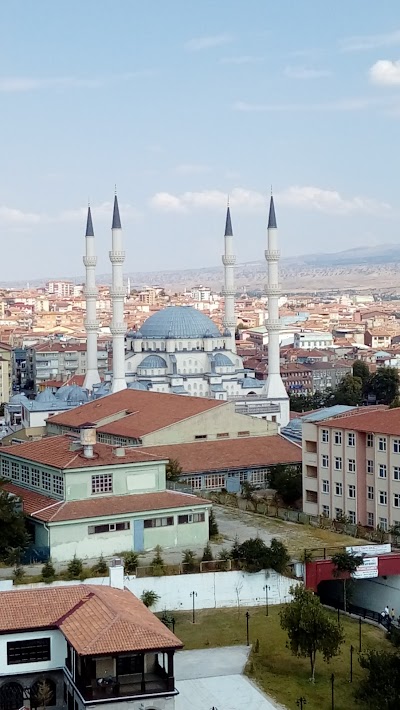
[59,511]
[94,619]
[145,412]
[382,421]
[55,451]
[226,454]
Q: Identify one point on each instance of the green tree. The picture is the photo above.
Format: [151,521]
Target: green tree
[173,470]
[149,598]
[310,628]
[380,689]
[213,530]
[157,562]
[48,572]
[346,563]
[286,480]
[130,562]
[279,557]
[255,554]
[361,370]
[189,560]
[384,384]
[349,391]
[74,568]
[101,567]
[13,534]
[235,550]
[207,553]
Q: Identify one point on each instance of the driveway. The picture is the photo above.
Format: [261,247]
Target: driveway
[213,678]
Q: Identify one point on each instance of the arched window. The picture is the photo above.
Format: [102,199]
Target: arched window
[11,696]
[43,693]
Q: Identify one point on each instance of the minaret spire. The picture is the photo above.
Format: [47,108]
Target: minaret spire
[228,291]
[118,327]
[92,376]
[274,387]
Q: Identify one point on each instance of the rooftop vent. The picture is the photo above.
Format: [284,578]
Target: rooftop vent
[120,452]
[88,439]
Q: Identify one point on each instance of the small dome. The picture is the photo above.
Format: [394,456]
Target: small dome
[152,362]
[63,392]
[222,360]
[77,395]
[46,395]
[16,399]
[179,322]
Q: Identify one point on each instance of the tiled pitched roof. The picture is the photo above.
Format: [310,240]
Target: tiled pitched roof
[378,421]
[230,453]
[94,619]
[60,511]
[149,411]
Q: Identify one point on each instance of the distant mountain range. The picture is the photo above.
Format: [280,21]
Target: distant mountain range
[375,268]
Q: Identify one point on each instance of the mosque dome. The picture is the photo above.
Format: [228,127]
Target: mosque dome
[222,360]
[46,396]
[16,399]
[152,362]
[63,392]
[179,322]
[138,386]
[77,395]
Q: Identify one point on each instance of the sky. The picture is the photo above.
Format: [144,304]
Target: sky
[180,104]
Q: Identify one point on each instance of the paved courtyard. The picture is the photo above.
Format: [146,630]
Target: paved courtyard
[213,678]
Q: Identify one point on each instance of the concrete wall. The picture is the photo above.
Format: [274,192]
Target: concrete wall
[58,652]
[128,478]
[376,593]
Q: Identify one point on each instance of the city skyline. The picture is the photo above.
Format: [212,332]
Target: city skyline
[181,106]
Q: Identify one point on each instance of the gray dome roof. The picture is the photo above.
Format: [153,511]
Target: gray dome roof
[77,395]
[46,396]
[152,362]
[138,386]
[179,322]
[63,392]
[16,398]
[222,360]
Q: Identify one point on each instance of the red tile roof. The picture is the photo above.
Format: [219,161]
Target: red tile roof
[59,511]
[246,452]
[55,451]
[94,619]
[383,421]
[145,412]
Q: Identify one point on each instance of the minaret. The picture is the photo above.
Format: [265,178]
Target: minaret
[92,376]
[118,327]
[274,387]
[229,260]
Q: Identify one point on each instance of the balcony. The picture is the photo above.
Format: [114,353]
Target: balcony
[124,687]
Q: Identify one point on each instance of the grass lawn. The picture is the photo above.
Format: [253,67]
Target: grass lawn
[281,675]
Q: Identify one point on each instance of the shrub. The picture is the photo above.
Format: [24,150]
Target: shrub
[207,553]
[213,530]
[130,562]
[224,554]
[18,573]
[279,557]
[101,567]
[48,572]
[149,598]
[189,560]
[158,562]
[235,551]
[75,568]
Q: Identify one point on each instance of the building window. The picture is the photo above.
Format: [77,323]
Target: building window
[351,439]
[383,524]
[325,436]
[370,492]
[214,481]
[352,517]
[351,465]
[158,522]
[102,483]
[24,473]
[352,491]
[382,498]
[396,446]
[191,518]
[370,520]
[46,481]
[396,500]
[325,461]
[325,511]
[382,443]
[338,437]
[5,468]
[338,463]
[325,486]
[370,440]
[382,470]
[200,437]
[396,473]
[243,433]
[29,651]
[339,488]
[58,485]
[222,435]
[128,665]
[370,466]
[108,527]
[35,477]
[194,482]
[15,471]
[338,513]
[257,476]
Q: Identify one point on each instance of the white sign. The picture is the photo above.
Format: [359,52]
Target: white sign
[369,568]
[370,549]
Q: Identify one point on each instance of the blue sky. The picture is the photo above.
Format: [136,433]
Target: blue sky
[180,103]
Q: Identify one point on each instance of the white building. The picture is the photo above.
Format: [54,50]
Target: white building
[308,340]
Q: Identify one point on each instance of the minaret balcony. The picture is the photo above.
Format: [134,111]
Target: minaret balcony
[90,291]
[229,260]
[91,326]
[272,254]
[118,329]
[273,325]
[117,257]
[90,260]
[117,292]
[273,290]
[226,291]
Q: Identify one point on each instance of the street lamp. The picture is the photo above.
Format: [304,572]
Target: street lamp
[266,590]
[300,702]
[247,628]
[193,595]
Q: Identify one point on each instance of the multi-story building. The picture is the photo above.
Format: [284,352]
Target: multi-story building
[308,340]
[378,338]
[59,361]
[63,289]
[297,378]
[351,467]
[327,375]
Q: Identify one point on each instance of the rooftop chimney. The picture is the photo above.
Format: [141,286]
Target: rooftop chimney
[88,439]
[117,573]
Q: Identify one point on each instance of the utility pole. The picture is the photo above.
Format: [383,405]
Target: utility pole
[193,595]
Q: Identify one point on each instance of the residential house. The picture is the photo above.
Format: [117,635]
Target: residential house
[309,340]
[378,338]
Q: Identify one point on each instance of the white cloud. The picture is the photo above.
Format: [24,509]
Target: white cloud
[15,84]
[11,217]
[303,72]
[243,200]
[244,59]
[198,43]
[352,104]
[329,201]
[385,73]
[361,43]
[192,169]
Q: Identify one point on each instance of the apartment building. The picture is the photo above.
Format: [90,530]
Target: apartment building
[308,340]
[351,467]
[59,361]
[327,375]
[63,289]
